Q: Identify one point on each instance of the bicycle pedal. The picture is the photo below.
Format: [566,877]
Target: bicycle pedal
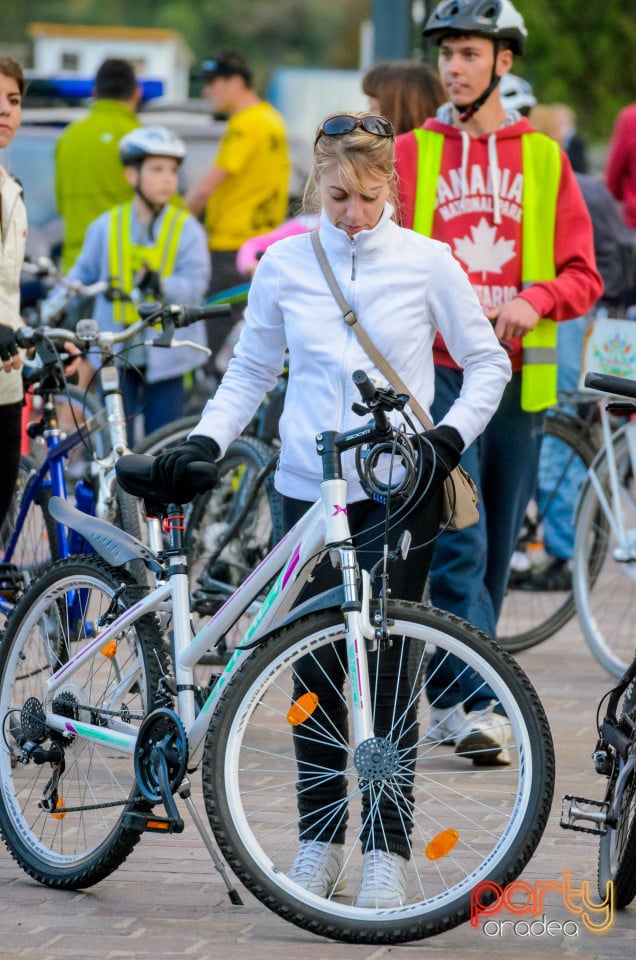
[149,823]
[574,812]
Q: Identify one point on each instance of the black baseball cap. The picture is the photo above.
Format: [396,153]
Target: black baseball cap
[225,64]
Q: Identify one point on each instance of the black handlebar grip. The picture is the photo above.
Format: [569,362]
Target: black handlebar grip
[192,314]
[620,386]
[364,385]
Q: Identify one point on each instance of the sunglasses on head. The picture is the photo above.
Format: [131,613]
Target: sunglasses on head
[344,123]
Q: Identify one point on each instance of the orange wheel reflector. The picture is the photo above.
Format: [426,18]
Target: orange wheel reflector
[60,812]
[109,649]
[302,709]
[441,845]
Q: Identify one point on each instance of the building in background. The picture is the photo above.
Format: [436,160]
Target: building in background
[72,50]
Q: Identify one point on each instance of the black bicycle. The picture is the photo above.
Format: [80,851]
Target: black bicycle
[572,435]
[613,819]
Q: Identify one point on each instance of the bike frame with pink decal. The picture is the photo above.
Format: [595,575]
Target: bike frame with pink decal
[325,526]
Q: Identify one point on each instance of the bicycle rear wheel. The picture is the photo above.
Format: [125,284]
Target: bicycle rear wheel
[462,823]
[166,437]
[62,818]
[605,565]
[529,617]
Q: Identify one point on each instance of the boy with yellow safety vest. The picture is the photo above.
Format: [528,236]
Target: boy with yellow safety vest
[151,249]
[505,200]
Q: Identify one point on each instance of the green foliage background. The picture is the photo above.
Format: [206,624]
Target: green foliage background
[580,52]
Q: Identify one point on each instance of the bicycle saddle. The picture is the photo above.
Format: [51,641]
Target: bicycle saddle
[134,476]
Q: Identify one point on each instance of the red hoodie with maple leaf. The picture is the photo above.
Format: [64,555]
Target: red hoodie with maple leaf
[484,231]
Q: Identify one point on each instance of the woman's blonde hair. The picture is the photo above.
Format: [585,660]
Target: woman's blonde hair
[357,155]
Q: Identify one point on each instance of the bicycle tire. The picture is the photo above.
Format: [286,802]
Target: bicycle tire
[498,814]
[167,436]
[605,583]
[36,546]
[128,517]
[617,847]
[531,617]
[230,529]
[65,847]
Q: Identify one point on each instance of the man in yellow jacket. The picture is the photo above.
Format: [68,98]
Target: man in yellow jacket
[246,191]
[89,177]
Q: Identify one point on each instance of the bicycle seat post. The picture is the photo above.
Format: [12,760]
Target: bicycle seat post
[173,524]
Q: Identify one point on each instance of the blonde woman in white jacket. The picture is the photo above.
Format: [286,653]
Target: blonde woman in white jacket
[405,288]
[13,231]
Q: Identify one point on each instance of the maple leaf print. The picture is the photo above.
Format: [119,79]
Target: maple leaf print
[483,254]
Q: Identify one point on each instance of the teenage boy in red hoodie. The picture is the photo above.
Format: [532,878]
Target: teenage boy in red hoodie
[505,199]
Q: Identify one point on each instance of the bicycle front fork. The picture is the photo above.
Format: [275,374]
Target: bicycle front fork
[360,637]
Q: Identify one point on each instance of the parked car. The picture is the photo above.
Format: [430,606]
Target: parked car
[31,158]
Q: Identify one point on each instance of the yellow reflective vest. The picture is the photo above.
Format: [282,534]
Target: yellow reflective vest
[541,159]
[125,258]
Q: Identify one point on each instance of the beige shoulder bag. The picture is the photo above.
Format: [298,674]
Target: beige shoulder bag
[460,494]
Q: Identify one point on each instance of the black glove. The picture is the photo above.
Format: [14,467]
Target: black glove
[149,283]
[8,345]
[447,447]
[170,469]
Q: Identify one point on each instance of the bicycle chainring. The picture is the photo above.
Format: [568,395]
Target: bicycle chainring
[161,734]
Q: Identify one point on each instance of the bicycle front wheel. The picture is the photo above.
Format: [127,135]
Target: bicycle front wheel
[63,798]
[529,617]
[605,557]
[459,823]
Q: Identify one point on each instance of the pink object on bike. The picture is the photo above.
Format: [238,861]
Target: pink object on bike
[250,253]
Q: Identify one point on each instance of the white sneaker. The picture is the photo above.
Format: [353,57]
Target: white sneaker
[383,883]
[445,724]
[485,739]
[318,867]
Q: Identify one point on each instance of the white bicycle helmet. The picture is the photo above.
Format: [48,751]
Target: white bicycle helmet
[150,142]
[497,19]
[516,93]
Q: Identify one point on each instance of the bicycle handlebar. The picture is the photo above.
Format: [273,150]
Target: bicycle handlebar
[87,332]
[44,340]
[620,386]
[377,401]
[183,316]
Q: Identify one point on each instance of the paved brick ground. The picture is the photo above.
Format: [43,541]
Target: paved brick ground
[168,900]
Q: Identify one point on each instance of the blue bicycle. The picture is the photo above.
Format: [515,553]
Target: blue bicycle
[29,539]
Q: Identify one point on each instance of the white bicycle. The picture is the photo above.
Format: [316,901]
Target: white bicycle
[101,726]
[604,565]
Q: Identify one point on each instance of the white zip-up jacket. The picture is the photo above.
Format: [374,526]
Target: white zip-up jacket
[13,232]
[403,287]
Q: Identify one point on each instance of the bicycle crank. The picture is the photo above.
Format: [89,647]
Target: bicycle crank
[161,756]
